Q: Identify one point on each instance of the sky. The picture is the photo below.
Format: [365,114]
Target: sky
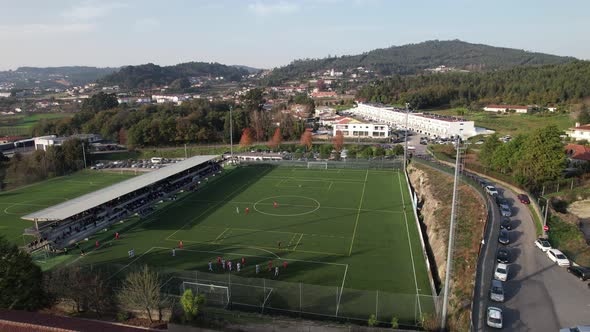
[270,33]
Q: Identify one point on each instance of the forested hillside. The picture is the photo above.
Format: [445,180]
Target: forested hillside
[563,83]
[414,58]
[151,75]
[25,77]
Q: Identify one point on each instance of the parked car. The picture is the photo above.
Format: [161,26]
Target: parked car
[505,223]
[503,255]
[581,272]
[558,257]
[579,328]
[494,317]
[504,237]
[524,199]
[505,210]
[501,200]
[497,291]
[501,272]
[491,190]
[543,244]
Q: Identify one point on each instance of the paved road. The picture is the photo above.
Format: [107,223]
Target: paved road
[540,296]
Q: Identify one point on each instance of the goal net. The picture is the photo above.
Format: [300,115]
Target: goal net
[214,294]
[317,165]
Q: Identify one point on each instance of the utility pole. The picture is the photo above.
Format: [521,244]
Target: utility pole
[231,135]
[545,219]
[185,152]
[406,136]
[451,238]
[84,153]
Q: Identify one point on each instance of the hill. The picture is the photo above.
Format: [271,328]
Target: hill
[415,58]
[557,84]
[54,76]
[151,75]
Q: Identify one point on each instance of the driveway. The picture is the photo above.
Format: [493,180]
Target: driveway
[540,296]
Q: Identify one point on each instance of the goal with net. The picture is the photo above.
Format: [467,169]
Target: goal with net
[214,294]
[317,165]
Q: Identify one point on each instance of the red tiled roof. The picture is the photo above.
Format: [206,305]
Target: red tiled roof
[583,127]
[508,107]
[11,138]
[12,320]
[579,152]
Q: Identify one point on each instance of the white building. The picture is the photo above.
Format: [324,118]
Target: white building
[43,142]
[4,94]
[160,99]
[426,124]
[580,132]
[354,128]
[506,108]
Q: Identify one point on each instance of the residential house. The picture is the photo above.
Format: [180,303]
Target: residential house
[580,132]
[577,154]
[506,108]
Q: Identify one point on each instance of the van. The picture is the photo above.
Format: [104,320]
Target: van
[156,160]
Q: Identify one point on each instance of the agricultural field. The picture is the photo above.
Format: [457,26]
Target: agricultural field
[23,124]
[348,237]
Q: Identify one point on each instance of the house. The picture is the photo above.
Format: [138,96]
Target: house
[551,107]
[506,108]
[577,154]
[354,128]
[323,94]
[580,132]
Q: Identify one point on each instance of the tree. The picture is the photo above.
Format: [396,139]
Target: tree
[246,139]
[543,158]
[307,139]
[100,102]
[338,141]
[122,136]
[488,148]
[21,281]
[276,139]
[141,291]
[190,304]
[584,115]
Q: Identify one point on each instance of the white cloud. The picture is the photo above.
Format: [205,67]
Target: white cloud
[271,8]
[90,10]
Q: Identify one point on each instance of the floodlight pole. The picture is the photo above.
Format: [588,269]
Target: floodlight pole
[231,135]
[84,154]
[406,137]
[451,239]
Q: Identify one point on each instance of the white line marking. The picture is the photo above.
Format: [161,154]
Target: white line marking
[410,244]
[297,245]
[341,289]
[133,261]
[358,213]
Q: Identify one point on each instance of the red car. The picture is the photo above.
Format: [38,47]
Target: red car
[524,199]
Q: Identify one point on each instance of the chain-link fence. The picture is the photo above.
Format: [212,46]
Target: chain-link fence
[377,163]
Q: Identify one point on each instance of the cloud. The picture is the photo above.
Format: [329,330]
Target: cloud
[272,8]
[90,10]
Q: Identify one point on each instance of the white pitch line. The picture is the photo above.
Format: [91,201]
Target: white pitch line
[297,245]
[358,212]
[410,244]
[133,261]
[341,289]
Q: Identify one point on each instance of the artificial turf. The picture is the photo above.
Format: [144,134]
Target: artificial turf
[349,238]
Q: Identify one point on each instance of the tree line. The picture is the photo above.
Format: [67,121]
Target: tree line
[166,124]
[558,83]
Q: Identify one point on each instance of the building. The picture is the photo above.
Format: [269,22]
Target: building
[506,108]
[160,99]
[4,94]
[43,142]
[425,124]
[323,94]
[577,154]
[355,128]
[580,132]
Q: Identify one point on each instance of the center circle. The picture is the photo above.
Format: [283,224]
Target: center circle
[287,205]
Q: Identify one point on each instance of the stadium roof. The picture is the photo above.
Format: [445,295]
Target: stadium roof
[86,202]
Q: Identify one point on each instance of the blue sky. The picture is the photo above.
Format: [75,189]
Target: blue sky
[268,33]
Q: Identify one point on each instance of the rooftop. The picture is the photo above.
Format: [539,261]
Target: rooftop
[577,151]
[509,107]
[86,202]
[583,127]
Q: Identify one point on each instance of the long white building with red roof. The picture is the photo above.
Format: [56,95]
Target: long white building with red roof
[422,123]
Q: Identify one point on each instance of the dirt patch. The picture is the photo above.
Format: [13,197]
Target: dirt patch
[580,208]
[435,191]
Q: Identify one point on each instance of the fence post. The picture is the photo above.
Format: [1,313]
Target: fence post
[543,192]
[264,297]
[377,305]
[197,276]
[300,299]
[557,187]
[572,185]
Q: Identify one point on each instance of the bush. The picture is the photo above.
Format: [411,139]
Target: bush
[123,316]
[372,320]
[394,323]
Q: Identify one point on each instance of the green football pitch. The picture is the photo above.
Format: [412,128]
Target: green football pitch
[349,239]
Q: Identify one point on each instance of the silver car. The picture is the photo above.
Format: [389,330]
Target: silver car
[497,291]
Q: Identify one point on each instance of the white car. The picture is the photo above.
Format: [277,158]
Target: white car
[558,257]
[494,317]
[543,244]
[491,190]
[501,272]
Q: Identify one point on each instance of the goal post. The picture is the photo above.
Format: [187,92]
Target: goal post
[317,165]
[214,294]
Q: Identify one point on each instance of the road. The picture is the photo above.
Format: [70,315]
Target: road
[540,296]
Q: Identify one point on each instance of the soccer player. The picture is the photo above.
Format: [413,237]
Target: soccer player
[237,210]
[173,252]
[274,204]
[243,262]
[238,266]
[131,253]
[229,265]
[223,264]
[284,265]
[210,266]
[276,271]
[247,210]
[180,244]
[269,266]
[279,245]
[116,235]
[218,259]
[257,268]
[97,244]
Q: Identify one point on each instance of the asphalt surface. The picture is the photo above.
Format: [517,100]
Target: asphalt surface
[539,295]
